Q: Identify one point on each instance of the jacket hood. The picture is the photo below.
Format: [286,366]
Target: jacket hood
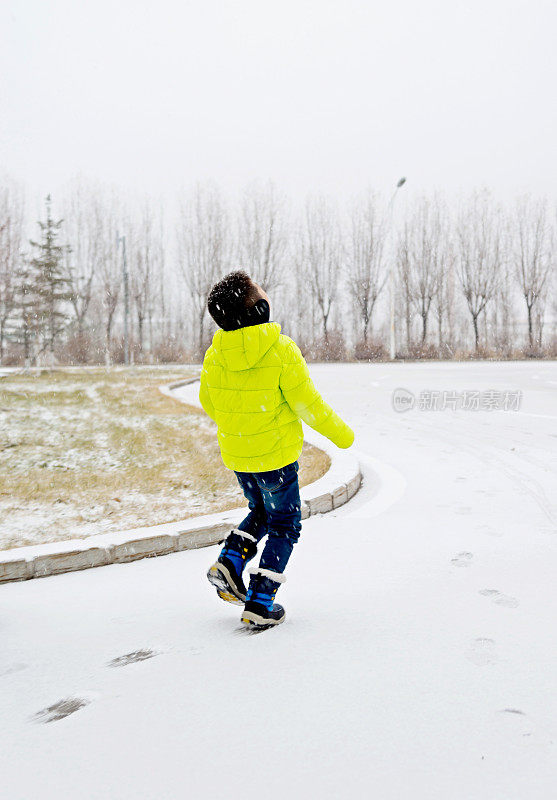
[242,348]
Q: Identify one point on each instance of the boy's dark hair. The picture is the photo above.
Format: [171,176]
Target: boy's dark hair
[233,300]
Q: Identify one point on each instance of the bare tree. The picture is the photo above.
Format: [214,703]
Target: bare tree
[404,274]
[533,258]
[423,254]
[262,239]
[161,293]
[110,270]
[498,319]
[443,301]
[366,272]
[81,220]
[203,249]
[11,234]
[145,263]
[26,313]
[479,255]
[323,256]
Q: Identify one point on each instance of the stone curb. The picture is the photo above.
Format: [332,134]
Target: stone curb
[339,484]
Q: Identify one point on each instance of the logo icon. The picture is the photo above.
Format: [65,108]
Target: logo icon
[403,400]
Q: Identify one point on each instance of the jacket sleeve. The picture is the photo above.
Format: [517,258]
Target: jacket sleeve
[306,402]
[204,398]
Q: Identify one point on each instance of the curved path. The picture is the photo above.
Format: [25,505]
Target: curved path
[335,488]
[417,660]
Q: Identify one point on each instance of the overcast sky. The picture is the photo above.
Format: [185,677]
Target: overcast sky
[317,95]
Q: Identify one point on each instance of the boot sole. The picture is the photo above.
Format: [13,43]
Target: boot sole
[252,620]
[219,577]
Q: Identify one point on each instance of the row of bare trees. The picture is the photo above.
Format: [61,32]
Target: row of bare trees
[468,276]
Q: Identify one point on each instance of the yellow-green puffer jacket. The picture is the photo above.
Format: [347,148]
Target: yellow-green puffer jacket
[255,385]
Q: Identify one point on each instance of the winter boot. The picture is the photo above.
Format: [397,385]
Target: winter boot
[226,572]
[260,610]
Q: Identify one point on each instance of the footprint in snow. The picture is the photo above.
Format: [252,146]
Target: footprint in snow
[61,709]
[489,530]
[131,658]
[462,559]
[12,668]
[522,723]
[500,598]
[482,652]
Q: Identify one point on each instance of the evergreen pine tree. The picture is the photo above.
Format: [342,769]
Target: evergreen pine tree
[47,287]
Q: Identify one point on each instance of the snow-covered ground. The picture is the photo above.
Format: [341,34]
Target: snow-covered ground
[418,659]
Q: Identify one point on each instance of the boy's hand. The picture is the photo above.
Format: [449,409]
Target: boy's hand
[347,440]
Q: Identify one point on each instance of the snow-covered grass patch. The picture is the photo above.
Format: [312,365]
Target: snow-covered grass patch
[92,451]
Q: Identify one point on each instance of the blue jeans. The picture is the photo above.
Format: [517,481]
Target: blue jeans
[275,511]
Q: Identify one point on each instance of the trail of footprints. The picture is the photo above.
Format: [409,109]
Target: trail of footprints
[464,559]
[483,650]
[69,705]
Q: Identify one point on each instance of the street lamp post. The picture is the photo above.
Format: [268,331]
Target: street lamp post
[392,343]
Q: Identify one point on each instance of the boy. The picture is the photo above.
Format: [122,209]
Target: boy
[255,385]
